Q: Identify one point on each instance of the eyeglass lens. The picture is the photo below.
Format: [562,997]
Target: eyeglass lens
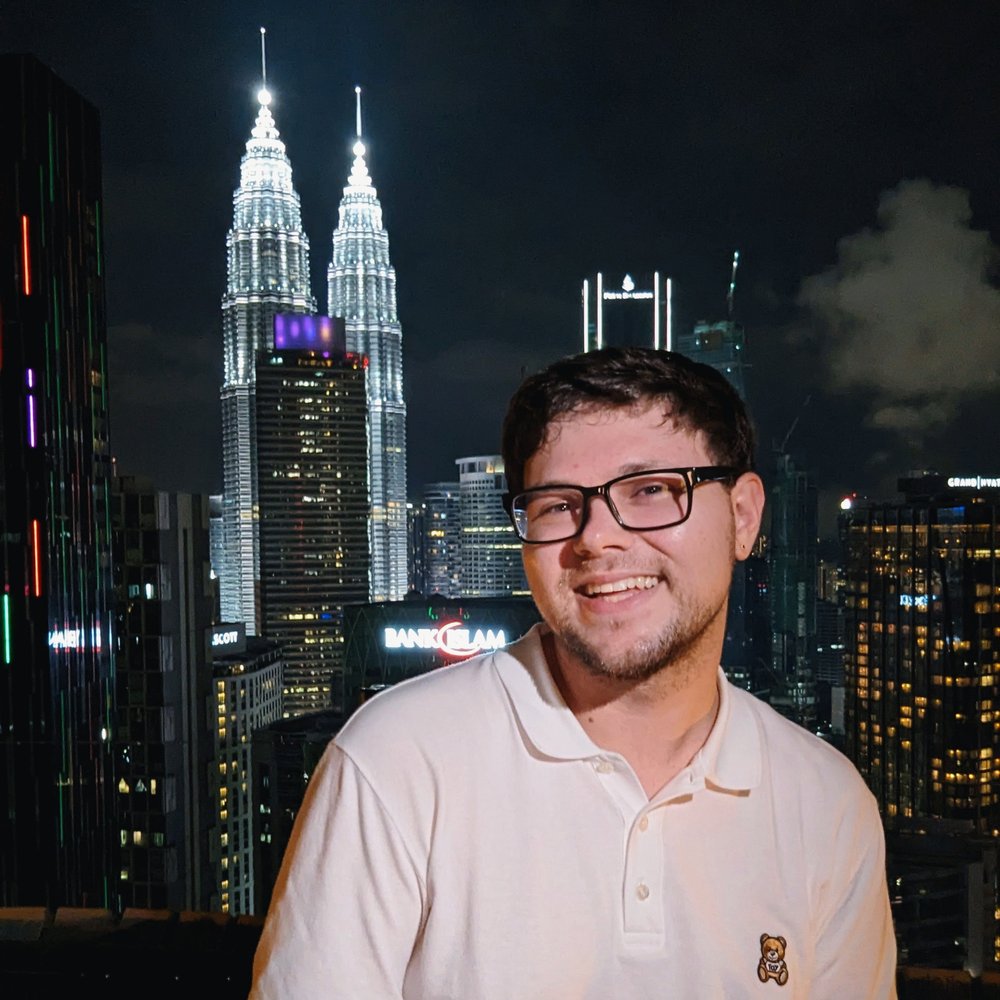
[645,500]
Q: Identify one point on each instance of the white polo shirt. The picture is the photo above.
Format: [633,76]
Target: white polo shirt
[464,839]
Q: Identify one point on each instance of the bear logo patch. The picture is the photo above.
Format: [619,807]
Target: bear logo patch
[772,960]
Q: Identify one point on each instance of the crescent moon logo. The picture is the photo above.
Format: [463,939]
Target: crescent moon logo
[453,647]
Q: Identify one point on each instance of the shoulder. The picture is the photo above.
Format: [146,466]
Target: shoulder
[791,756]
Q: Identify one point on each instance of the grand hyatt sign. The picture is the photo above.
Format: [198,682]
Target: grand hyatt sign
[451,638]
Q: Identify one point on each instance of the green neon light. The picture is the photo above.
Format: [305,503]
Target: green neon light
[6,628]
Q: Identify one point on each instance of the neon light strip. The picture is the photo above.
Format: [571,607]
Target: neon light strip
[25,257]
[37,545]
[31,421]
[586,316]
[670,314]
[6,628]
[600,310]
[656,310]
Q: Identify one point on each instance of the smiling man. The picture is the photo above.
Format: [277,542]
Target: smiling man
[593,812]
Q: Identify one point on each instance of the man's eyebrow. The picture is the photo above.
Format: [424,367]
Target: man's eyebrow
[623,470]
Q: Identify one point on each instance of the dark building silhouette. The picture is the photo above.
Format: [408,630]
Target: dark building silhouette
[164,603]
[312,468]
[58,838]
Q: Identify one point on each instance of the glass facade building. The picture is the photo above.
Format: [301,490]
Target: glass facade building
[361,287]
[58,838]
[312,447]
[490,551]
[922,664]
[267,267]
[164,603]
[442,537]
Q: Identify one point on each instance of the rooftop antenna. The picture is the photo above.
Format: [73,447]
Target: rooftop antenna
[732,285]
[357,93]
[264,96]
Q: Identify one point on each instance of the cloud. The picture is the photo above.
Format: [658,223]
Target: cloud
[909,312]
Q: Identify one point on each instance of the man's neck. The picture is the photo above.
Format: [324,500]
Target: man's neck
[657,724]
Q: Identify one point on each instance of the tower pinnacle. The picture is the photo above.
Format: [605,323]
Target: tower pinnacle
[357,91]
[263,95]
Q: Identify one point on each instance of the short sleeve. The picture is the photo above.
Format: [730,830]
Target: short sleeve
[348,904]
[855,952]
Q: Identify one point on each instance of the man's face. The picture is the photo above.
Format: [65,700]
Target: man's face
[625,604]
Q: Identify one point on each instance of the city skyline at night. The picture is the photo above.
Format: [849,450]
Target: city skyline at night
[848,155]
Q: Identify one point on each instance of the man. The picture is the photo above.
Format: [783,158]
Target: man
[594,812]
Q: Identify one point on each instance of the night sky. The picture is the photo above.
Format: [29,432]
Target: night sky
[850,151]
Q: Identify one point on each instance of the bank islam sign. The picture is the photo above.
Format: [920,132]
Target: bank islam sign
[454,639]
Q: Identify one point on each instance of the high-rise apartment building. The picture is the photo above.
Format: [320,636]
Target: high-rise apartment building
[58,838]
[361,286]
[164,604]
[922,664]
[246,698]
[267,273]
[312,448]
[628,313]
[490,551]
[442,539]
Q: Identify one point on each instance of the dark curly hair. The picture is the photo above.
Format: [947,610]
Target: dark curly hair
[698,398]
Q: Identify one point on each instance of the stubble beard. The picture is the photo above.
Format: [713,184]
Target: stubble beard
[668,649]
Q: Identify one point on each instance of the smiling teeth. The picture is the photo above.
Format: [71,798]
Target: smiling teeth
[629,583]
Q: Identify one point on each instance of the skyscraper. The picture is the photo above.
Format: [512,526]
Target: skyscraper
[312,448]
[922,665]
[361,286]
[490,552]
[58,839]
[267,273]
[164,600]
[627,315]
[442,539]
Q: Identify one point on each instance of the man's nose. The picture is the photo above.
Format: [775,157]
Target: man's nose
[600,529]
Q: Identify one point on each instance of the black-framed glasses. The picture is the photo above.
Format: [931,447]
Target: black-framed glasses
[639,501]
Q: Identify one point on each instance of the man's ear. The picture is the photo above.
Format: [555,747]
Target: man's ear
[747,498]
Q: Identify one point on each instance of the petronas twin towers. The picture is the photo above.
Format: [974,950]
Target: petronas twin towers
[267,274]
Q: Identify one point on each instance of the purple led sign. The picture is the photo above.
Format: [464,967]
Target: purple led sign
[309,333]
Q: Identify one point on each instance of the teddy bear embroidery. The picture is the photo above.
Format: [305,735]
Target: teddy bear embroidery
[772,960]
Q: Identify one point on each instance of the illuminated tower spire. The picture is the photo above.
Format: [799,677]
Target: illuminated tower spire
[267,273]
[361,286]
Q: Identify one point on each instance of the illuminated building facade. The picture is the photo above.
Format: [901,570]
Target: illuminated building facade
[361,287]
[312,448]
[629,313]
[442,539]
[246,697]
[58,838]
[267,255]
[719,345]
[490,551]
[164,603]
[922,665]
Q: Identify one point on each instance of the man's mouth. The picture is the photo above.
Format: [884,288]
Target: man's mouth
[623,586]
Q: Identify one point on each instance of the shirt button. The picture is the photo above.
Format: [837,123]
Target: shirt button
[602,766]
[642,890]
[644,824]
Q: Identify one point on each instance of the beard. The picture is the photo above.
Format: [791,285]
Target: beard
[668,648]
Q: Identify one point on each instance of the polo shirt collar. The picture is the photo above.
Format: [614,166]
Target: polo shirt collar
[730,759]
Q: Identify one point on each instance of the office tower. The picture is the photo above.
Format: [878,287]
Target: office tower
[312,447]
[792,556]
[164,602]
[247,683]
[626,315]
[490,552]
[442,539]
[361,286]
[267,255]
[922,665]
[58,838]
[415,558]
[720,345]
